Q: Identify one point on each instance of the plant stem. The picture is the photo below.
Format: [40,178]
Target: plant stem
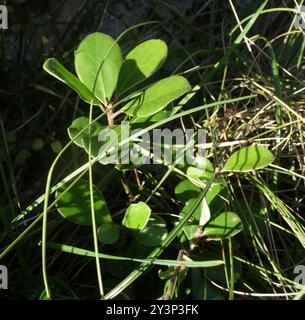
[110,116]
[94,231]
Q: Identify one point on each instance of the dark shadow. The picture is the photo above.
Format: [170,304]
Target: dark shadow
[130,72]
[129,76]
[136,103]
[221,230]
[241,163]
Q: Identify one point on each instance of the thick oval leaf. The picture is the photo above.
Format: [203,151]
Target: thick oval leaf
[249,158]
[185,190]
[108,233]
[98,60]
[57,70]
[215,198]
[157,96]
[140,63]
[190,231]
[201,170]
[140,122]
[154,232]
[104,143]
[136,216]
[74,205]
[225,225]
[80,124]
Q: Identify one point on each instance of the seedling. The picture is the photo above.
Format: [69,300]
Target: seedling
[115,84]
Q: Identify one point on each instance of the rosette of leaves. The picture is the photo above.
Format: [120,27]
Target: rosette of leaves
[213,216]
[102,77]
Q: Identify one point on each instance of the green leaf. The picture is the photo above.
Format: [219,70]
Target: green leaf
[215,198]
[140,63]
[105,144]
[188,205]
[105,141]
[136,216]
[38,144]
[154,232]
[22,157]
[57,70]
[157,96]
[74,205]
[185,190]
[225,225]
[201,170]
[98,60]
[78,125]
[190,231]
[139,122]
[108,233]
[249,158]
[56,146]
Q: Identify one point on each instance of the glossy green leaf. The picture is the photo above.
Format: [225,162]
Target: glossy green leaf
[140,63]
[215,198]
[104,143]
[249,158]
[108,233]
[139,122]
[74,204]
[225,225]
[185,190]
[57,70]
[190,231]
[136,216]
[201,170]
[154,232]
[98,60]
[157,96]
[78,125]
